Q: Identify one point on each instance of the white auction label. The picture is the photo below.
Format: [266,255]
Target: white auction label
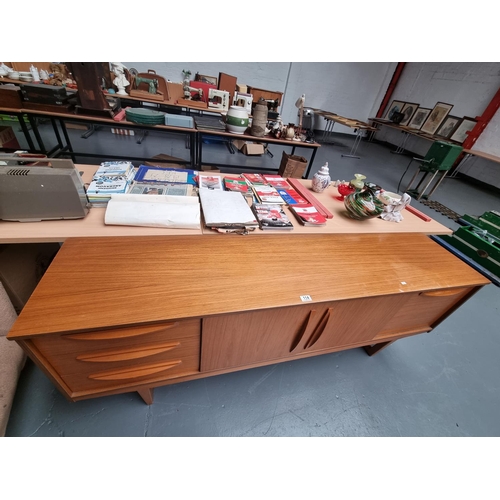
[305,298]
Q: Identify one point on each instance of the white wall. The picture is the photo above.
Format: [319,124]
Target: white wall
[349,89]
[470,87]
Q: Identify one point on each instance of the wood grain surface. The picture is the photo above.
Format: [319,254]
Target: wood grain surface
[98,283]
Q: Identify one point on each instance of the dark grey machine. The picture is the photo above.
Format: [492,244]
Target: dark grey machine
[35,190]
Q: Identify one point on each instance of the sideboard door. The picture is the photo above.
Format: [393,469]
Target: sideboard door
[245,338]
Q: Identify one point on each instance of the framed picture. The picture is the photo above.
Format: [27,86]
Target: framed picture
[408,110]
[205,79]
[395,107]
[465,125]
[436,117]
[419,118]
[448,126]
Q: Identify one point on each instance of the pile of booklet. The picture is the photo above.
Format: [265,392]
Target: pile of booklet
[112,177]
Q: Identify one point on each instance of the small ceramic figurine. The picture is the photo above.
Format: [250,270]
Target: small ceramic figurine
[34,73]
[394,203]
[121,80]
[321,179]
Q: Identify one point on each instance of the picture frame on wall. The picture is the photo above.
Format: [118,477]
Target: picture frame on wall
[448,126]
[436,117]
[395,107]
[419,118]
[408,110]
[465,125]
[212,80]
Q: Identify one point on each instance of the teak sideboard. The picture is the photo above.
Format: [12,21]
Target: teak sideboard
[122,314]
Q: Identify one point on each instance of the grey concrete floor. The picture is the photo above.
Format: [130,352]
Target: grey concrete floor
[444,383]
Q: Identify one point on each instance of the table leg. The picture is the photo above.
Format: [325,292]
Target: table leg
[355,145]
[308,171]
[66,138]
[460,165]
[146,395]
[26,132]
[37,134]
[373,349]
[401,148]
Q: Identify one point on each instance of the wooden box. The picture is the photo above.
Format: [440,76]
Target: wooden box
[10,97]
[268,95]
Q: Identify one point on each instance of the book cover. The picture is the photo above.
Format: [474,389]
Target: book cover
[108,184]
[166,175]
[114,168]
[236,184]
[276,181]
[151,188]
[210,182]
[271,216]
[308,215]
[291,197]
[267,194]
[254,179]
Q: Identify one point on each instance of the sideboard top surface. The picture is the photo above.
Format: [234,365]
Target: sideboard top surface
[96,283]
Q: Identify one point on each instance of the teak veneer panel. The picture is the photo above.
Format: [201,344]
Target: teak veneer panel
[99,283]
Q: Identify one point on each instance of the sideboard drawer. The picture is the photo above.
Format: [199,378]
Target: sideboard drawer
[130,365]
[53,346]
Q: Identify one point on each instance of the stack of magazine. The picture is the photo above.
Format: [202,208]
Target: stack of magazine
[112,177]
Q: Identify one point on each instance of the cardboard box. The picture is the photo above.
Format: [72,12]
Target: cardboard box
[156,161]
[21,268]
[249,148]
[292,166]
[8,138]
[240,87]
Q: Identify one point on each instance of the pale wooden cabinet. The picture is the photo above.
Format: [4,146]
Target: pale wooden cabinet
[183,308]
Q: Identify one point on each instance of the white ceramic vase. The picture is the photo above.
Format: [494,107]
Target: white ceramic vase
[321,179]
[237,120]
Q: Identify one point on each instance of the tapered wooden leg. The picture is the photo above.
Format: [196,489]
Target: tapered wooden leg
[373,349]
[147,395]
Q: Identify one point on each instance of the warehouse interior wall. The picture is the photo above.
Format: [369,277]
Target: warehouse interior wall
[351,89]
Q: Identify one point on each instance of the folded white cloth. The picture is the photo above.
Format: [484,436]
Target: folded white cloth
[392,212]
[181,212]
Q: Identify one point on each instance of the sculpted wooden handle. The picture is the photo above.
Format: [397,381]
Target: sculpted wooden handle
[303,330]
[443,293]
[128,374]
[126,354]
[120,334]
[320,328]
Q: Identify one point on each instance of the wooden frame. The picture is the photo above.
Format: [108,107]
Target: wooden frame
[409,109]
[448,126]
[396,106]
[212,80]
[465,125]
[436,117]
[419,118]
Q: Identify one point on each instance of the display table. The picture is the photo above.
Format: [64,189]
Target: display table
[123,314]
[93,224]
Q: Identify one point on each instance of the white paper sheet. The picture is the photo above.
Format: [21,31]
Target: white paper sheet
[222,208]
[181,212]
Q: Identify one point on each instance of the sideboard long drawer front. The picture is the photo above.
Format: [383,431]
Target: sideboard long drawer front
[53,346]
